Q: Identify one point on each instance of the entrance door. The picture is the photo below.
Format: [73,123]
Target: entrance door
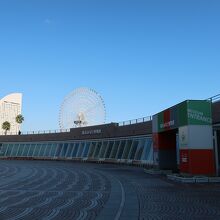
[167,150]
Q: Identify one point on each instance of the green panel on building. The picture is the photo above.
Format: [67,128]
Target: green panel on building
[182,114]
[160,121]
[190,112]
[199,112]
[176,117]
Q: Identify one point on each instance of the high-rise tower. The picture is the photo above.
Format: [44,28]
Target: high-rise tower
[10,107]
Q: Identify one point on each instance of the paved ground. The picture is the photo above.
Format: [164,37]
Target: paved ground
[63,190]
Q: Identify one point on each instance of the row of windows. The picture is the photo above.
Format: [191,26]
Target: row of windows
[132,149]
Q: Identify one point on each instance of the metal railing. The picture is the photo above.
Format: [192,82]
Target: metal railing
[46,131]
[135,121]
[215,98]
[37,132]
[123,123]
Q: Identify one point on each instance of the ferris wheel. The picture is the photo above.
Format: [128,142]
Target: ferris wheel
[82,107]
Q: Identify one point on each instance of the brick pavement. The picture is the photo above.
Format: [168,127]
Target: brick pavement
[67,190]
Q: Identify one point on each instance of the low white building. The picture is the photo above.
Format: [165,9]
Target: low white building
[10,107]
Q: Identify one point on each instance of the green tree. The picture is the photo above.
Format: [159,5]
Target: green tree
[19,119]
[6,126]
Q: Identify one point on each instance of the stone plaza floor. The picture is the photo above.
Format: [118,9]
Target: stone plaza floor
[35,190]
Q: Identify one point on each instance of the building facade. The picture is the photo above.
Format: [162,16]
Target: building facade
[184,138]
[104,143]
[10,107]
[191,121]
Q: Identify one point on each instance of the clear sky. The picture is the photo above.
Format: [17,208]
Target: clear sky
[142,56]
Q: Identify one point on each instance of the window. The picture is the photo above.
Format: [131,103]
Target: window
[86,150]
[70,149]
[64,150]
[121,149]
[133,150]
[59,149]
[92,149]
[97,150]
[26,149]
[81,148]
[48,150]
[108,152]
[42,150]
[127,149]
[3,150]
[140,149]
[75,150]
[20,150]
[53,149]
[148,150]
[114,149]
[14,150]
[103,149]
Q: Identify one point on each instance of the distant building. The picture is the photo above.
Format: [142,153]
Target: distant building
[10,107]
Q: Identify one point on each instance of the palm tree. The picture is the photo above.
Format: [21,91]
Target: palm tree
[19,119]
[6,126]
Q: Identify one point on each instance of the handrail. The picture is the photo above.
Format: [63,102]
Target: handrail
[123,123]
[215,98]
[46,131]
[37,132]
[135,121]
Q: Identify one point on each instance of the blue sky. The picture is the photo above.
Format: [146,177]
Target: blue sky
[141,55]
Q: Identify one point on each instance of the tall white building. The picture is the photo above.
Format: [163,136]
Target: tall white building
[10,107]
